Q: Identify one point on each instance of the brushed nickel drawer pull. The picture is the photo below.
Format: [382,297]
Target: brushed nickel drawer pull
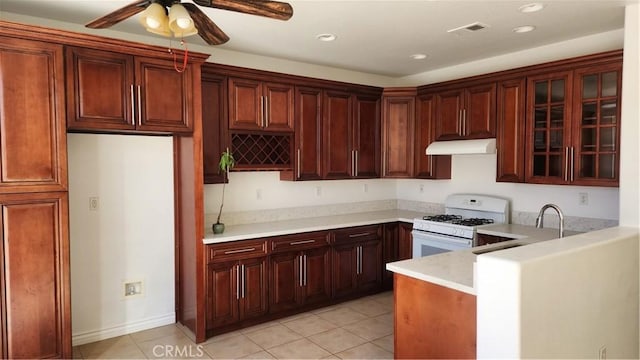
[359,235]
[238,251]
[133,107]
[302,242]
[237,282]
[243,281]
[139,106]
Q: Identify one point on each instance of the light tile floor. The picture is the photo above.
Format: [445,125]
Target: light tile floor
[358,329]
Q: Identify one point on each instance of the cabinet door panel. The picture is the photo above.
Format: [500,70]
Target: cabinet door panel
[245,104]
[344,270]
[308,134]
[285,281]
[99,86]
[428,166]
[480,112]
[371,265]
[510,137]
[279,107]
[35,269]
[165,96]
[449,105]
[317,271]
[214,125]
[389,252]
[405,241]
[33,135]
[366,128]
[222,290]
[337,135]
[253,301]
[399,134]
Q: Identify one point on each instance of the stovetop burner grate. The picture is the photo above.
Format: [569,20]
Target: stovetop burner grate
[442,218]
[472,221]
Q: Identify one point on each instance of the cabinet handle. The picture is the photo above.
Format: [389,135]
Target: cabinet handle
[237,282]
[571,158]
[139,106]
[243,283]
[239,251]
[304,263]
[299,163]
[464,122]
[566,164]
[459,124]
[360,234]
[352,162]
[302,242]
[356,163]
[300,275]
[267,107]
[133,108]
[261,111]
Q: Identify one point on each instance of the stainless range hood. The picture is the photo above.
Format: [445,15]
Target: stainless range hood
[454,147]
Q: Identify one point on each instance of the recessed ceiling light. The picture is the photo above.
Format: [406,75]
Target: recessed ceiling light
[418,56]
[326,37]
[523,29]
[529,8]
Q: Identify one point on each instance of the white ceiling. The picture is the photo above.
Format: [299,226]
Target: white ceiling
[375,37]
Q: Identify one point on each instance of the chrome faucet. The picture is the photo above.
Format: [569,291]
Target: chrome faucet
[540,218]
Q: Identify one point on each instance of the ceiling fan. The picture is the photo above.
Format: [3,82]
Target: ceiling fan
[186,19]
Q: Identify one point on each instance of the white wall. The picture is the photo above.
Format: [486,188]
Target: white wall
[559,299]
[129,237]
[629,138]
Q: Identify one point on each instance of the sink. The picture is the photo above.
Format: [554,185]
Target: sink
[497,248]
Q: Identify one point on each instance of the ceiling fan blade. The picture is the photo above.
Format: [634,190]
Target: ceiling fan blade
[271,9]
[207,30]
[118,15]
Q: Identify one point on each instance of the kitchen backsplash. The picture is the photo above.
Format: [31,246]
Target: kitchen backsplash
[573,223]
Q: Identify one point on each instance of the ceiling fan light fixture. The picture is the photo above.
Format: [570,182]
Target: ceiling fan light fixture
[180,22]
[154,16]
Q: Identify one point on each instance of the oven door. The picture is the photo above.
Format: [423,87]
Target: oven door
[426,243]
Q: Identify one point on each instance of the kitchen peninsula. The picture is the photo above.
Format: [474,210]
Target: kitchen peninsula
[447,304]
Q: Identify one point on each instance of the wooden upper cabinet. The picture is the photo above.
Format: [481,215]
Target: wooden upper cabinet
[165,96]
[338,158]
[366,132]
[263,106]
[308,139]
[109,91]
[214,125]
[34,251]
[428,166]
[466,113]
[510,133]
[33,136]
[398,135]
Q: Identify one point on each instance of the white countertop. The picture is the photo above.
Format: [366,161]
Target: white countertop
[455,269]
[294,226]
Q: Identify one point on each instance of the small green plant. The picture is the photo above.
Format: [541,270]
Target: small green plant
[227,162]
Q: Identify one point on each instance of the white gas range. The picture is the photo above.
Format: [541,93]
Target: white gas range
[456,228]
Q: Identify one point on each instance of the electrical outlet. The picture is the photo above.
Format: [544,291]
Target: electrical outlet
[93,203]
[258,194]
[421,188]
[318,191]
[132,288]
[365,188]
[583,198]
[602,354]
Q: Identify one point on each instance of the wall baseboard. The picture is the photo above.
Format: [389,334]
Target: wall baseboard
[124,329]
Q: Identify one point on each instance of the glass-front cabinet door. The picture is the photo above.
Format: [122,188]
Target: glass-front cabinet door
[596,139]
[548,127]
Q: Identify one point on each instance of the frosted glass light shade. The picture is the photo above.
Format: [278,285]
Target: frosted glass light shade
[180,22]
[154,19]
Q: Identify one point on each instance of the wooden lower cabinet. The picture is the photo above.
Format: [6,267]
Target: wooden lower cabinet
[357,260]
[299,278]
[397,245]
[432,321]
[236,287]
[34,276]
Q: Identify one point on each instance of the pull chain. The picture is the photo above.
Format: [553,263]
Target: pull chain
[175,56]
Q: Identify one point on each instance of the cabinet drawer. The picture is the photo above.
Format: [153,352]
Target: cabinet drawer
[236,250]
[360,233]
[300,241]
